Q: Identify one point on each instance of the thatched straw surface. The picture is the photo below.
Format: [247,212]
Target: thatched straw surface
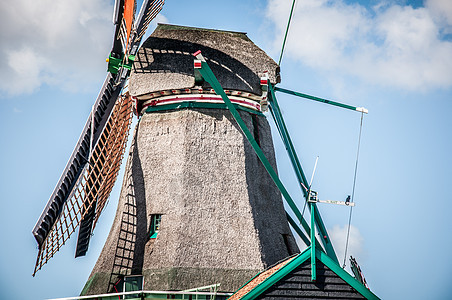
[223,219]
[165,60]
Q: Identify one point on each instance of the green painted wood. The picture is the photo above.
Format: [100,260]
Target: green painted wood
[276,112]
[298,230]
[313,267]
[281,125]
[300,233]
[278,275]
[298,94]
[325,236]
[345,276]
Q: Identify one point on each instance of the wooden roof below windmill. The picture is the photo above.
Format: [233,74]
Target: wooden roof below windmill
[291,279]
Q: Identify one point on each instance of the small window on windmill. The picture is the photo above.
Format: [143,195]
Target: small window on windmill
[155,225]
[131,284]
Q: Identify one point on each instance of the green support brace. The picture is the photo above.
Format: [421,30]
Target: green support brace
[300,233]
[360,109]
[298,230]
[346,276]
[325,237]
[313,267]
[277,276]
[276,112]
[208,75]
[280,124]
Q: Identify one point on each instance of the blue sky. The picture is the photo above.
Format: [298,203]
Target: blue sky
[392,57]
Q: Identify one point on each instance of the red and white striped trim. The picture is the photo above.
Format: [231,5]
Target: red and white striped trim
[200,98]
[197,90]
[197,64]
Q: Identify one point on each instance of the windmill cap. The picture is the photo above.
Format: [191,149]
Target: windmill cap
[165,60]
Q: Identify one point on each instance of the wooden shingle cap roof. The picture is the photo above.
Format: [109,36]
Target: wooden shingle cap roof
[165,60]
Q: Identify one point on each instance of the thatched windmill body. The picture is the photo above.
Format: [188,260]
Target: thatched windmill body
[197,207]
[201,201]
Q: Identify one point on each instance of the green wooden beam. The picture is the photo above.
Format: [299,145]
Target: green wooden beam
[346,276]
[360,109]
[313,267]
[300,233]
[279,120]
[284,133]
[298,230]
[278,275]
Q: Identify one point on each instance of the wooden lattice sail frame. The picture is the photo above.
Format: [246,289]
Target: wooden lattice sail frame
[95,183]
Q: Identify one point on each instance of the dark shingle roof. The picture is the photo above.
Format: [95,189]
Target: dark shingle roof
[165,60]
[291,279]
[298,284]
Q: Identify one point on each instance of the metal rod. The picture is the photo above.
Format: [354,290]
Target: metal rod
[337,202]
[313,171]
[360,109]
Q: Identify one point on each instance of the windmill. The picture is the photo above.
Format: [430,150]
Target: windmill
[201,200]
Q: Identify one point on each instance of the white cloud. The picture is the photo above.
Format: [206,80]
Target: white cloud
[442,11]
[56,42]
[390,45]
[338,236]
[160,18]
[25,64]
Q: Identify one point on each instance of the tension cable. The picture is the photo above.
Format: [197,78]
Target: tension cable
[353,189]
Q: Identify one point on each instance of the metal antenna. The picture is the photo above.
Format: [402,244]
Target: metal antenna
[313,171]
[308,189]
[313,196]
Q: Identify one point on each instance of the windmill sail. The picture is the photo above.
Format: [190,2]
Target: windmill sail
[82,181]
[148,12]
[95,183]
[93,205]
[126,24]
[84,187]
[78,160]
